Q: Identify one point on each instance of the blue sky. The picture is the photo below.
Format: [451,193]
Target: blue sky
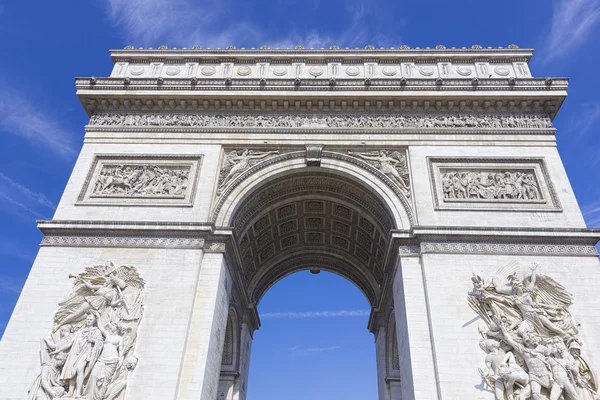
[45,44]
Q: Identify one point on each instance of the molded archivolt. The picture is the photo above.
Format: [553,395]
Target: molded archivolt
[289,217]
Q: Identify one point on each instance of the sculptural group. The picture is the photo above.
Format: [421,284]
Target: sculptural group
[496,185]
[146,180]
[91,350]
[330,121]
[531,339]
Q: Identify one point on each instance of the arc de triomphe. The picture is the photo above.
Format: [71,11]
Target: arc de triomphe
[429,178]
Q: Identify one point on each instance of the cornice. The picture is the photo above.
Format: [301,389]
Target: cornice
[368,53]
[535,96]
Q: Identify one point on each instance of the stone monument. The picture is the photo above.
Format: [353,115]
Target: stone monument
[429,178]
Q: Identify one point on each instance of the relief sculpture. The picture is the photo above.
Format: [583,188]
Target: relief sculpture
[491,185]
[91,350]
[531,339]
[391,163]
[330,121]
[236,162]
[141,180]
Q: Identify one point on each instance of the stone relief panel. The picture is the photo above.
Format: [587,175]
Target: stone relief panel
[141,180]
[90,351]
[392,163]
[530,337]
[391,121]
[237,162]
[491,184]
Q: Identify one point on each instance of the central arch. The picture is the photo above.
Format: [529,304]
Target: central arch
[288,217]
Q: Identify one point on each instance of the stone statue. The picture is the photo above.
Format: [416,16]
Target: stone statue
[237,162]
[528,318]
[91,348]
[391,163]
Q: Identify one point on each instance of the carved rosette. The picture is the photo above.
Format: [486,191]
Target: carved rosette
[90,351]
[531,339]
[462,121]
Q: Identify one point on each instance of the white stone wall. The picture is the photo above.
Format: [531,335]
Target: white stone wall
[454,324]
[68,209]
[570,217]
[170,275]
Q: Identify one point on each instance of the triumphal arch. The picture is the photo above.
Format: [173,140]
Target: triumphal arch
[429,178]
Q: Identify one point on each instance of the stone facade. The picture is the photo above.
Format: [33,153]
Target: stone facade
[215,173]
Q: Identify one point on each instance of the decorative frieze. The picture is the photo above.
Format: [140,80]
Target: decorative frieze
[491,184]
[123,241]
[509,248]
[390,121]
[141,180]
[90,351]
[532,341]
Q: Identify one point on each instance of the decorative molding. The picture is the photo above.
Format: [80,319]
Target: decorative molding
[509,248]
[117,241]
[214,247]
[492,184]
[145,180]
[386,121]
[313,155]
[410,250]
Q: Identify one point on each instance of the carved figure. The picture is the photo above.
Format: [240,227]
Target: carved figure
[237,162]
[391,163]
[146,180]
[338,121]
[91,349]
[529,315]
[507,185]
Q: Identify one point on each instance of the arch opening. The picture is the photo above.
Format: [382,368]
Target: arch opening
[313,219]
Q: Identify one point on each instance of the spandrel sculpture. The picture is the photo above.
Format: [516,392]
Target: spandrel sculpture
[532,341]
[236,162]
[391,163]
[90,351]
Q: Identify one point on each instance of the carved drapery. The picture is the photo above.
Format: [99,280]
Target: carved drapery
[325,121]
[532,341]
[90,352]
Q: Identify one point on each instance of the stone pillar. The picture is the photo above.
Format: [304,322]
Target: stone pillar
[381,354]
[246,338]
[200,370]
[417,364]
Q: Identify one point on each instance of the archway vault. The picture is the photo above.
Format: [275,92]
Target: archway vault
[290,217]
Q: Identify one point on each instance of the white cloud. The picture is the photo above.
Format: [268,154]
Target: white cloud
[209,23]
[573,22]
[36,197]
[20,116]
[591,213]
[320,349]
[177,22]
[316,314]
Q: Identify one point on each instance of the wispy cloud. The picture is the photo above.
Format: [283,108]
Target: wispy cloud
[36,197]
[211,23]
[18,199]
[177,22]
[21,116]
[316,314]
[320,349]
[591,213]
[573,21]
